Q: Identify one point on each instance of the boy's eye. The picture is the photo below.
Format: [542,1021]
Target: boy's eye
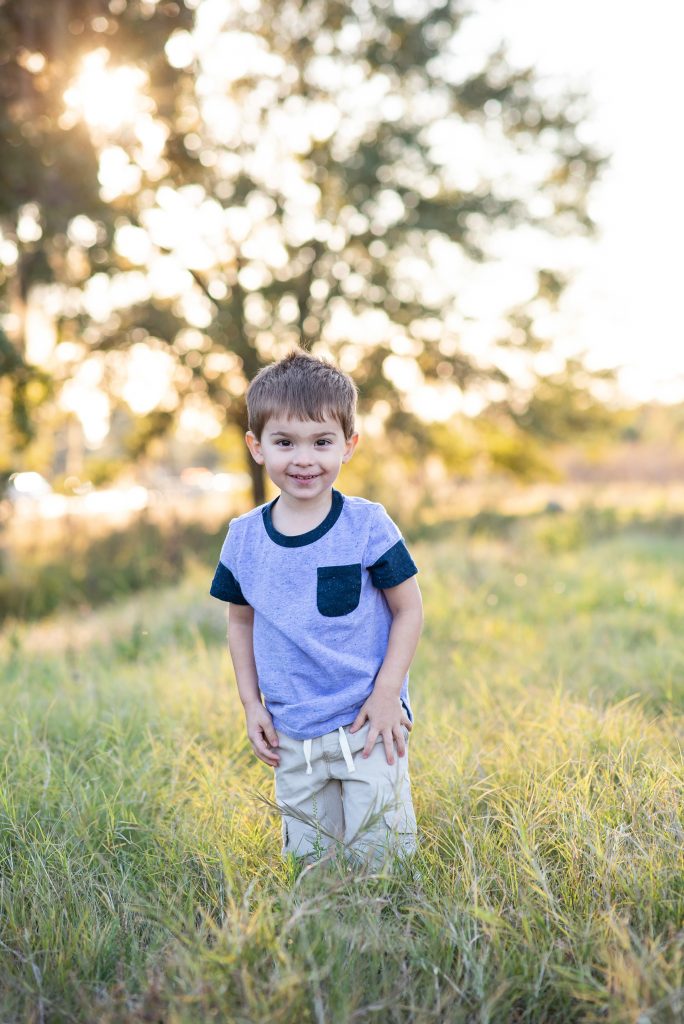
[321,441]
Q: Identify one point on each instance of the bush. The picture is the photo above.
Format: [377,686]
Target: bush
[90,571]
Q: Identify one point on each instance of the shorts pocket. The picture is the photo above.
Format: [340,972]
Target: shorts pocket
[338,589]
[402,832]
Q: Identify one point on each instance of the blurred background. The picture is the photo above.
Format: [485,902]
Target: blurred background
[471,207]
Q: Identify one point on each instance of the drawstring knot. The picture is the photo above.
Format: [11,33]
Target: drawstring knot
[344,747]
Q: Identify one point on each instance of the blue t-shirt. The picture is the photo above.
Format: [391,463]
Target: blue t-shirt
[321,620]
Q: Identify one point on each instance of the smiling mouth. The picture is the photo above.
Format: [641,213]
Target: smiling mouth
[301,476]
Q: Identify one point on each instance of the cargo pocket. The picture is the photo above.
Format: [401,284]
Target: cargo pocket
[339,589]
[402,830]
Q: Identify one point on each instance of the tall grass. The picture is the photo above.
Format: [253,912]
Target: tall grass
[140,875]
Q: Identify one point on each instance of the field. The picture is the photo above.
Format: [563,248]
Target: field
[140,875]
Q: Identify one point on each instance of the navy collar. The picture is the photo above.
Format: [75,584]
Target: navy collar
[300,539]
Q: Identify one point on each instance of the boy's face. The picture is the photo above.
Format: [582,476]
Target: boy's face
[302,457]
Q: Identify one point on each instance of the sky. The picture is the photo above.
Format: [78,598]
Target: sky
[624,306]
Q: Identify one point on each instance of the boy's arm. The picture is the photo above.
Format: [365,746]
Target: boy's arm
[383,708]
[260,730]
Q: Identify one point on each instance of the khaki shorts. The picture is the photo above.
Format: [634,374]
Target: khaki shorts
[360,805]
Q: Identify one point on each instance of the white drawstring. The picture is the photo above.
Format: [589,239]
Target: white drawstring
[307,755]
[344,747]
[346,752]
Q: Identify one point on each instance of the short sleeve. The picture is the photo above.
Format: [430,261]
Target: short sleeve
[224,585]
[387,558]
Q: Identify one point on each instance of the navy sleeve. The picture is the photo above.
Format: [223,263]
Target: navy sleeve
[225,587]
[387,558]
[395,566]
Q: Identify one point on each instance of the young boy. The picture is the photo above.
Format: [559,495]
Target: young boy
[324,619]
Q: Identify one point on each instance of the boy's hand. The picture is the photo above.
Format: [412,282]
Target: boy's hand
[262,734]
[386,715]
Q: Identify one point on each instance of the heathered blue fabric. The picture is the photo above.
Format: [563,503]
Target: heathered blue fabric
[316,667]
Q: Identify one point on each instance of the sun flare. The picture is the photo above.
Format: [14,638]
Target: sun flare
[107,98]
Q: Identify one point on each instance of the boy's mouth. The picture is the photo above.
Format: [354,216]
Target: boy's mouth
[302,476]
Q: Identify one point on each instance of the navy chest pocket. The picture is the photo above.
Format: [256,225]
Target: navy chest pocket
[338,590]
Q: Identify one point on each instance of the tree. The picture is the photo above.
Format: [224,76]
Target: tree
[55,225]
[318,184]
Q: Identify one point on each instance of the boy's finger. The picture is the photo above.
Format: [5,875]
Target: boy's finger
[401,744]
[388,740]
[370,740]
[266,736]
[262,751]
[357,723]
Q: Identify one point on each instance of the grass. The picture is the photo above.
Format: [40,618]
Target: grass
[140,875]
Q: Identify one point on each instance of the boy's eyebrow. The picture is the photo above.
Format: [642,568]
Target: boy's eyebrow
[285,433]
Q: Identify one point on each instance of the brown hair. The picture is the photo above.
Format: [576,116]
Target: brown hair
[303,387]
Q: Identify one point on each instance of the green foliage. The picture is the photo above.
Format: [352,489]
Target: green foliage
[563,406]
[87,571]
[49,167]
[145,430]
[655,423]
[25,389]
[508,448]
[101,471]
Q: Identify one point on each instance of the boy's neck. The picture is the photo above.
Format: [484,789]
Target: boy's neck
[292,517]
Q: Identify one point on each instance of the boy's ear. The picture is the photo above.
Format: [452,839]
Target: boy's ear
[254,446]
[349,446]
